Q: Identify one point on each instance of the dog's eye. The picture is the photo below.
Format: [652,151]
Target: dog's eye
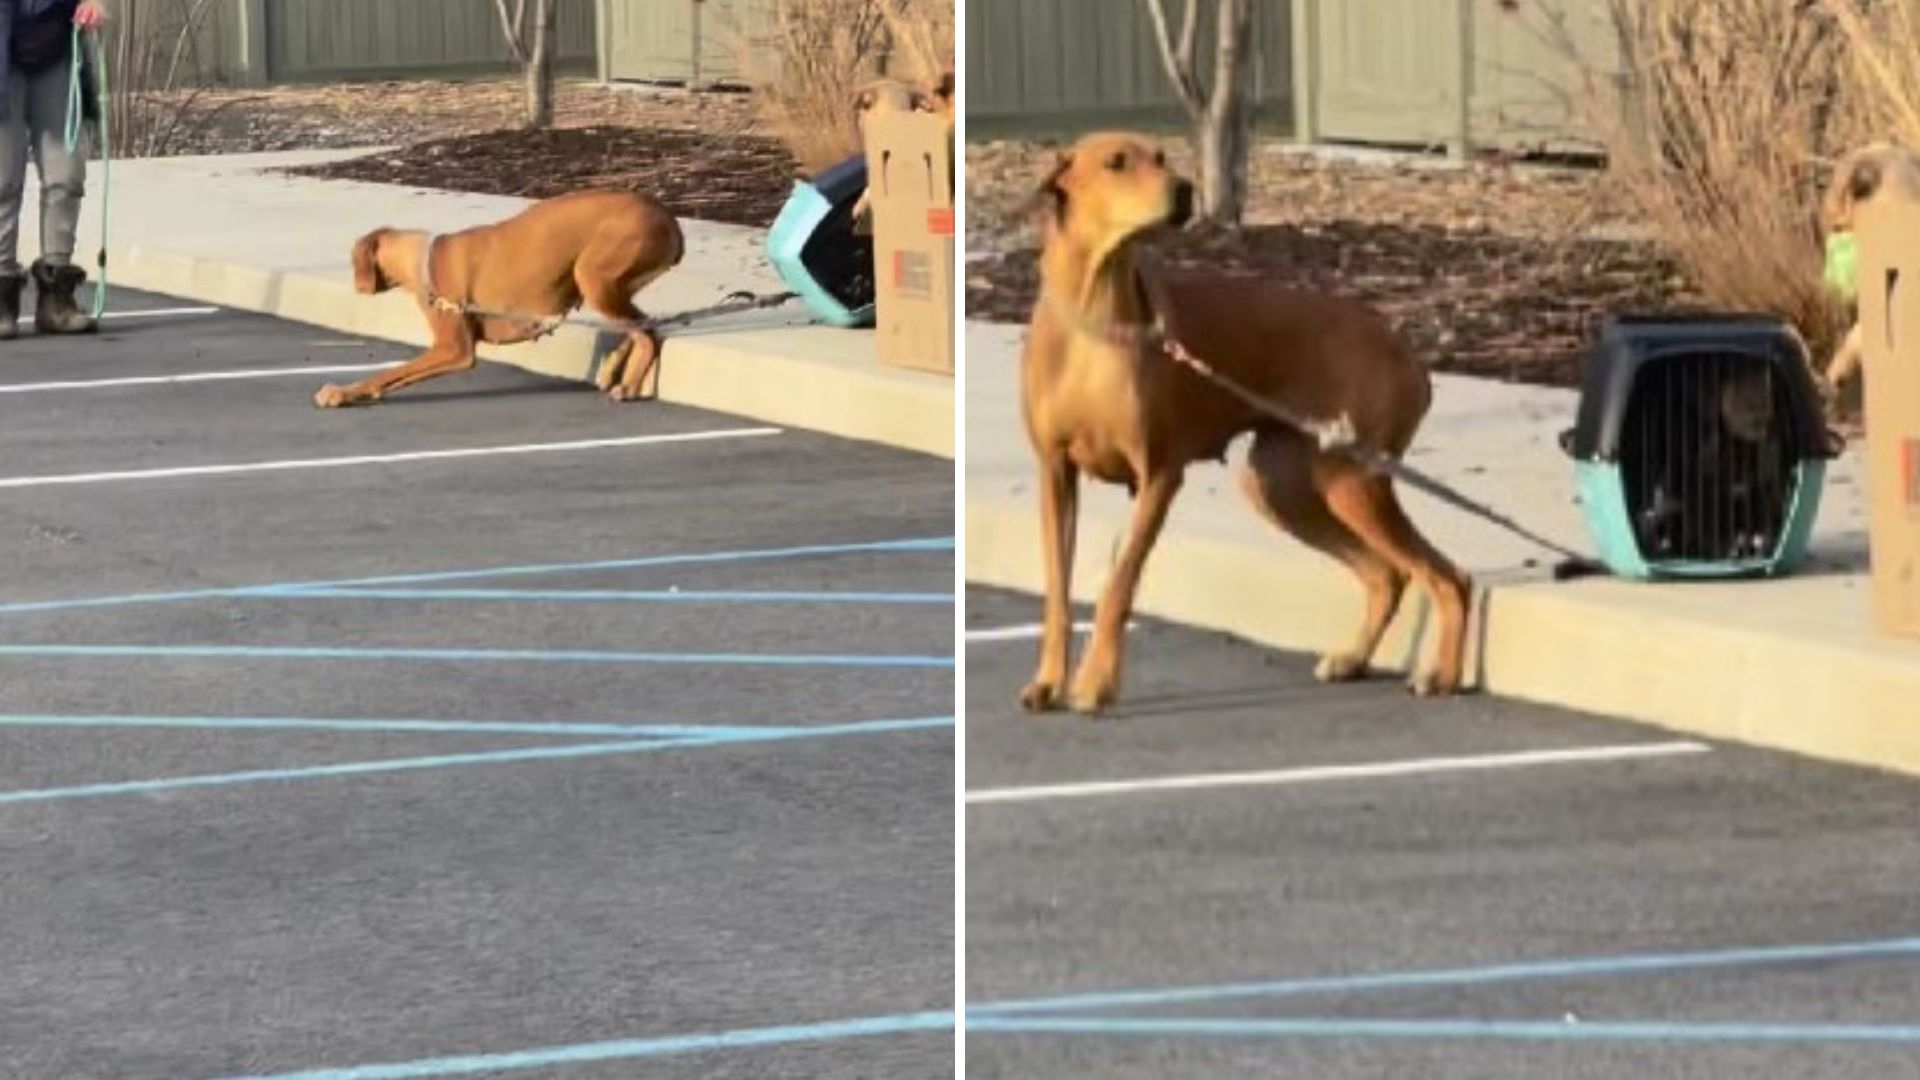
[1117,162]
[1160,158]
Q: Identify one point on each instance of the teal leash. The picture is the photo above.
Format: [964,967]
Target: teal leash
[83,42]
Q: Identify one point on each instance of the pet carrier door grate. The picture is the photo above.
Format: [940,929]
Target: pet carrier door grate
[1699,449]
[816,250]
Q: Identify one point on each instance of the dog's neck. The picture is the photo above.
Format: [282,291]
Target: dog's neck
[1097,292]
[400,259]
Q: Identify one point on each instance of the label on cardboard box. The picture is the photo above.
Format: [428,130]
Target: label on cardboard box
[1910,472]
[912,274]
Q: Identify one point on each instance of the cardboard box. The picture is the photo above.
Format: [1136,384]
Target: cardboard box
[1889,236]
[910,184]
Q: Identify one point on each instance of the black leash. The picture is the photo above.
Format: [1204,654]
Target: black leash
[735,303]
[1338,437]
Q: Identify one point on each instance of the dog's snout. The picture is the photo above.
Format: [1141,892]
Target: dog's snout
[1182,203]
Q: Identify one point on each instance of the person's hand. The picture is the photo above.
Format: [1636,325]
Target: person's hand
[91,15]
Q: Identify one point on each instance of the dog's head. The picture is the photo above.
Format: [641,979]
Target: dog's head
[1111,187]
[1860,177]
[887,96]
[367,275]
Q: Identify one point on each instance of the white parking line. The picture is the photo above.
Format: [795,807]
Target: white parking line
[189,377]
[149,313]
[382,459]
[1323,774]
[1024,632]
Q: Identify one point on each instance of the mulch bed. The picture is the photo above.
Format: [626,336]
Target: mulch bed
[740,179]
[1472,301]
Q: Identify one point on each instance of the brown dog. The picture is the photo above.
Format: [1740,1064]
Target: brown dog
[1867,176]
[1102,397]
[600,247]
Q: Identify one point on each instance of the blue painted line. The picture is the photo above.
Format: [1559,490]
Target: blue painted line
[1600,967]
[447,761]
[394,727]
[1497,1030]
[242,592]
[669,596]
[942,543]
[628,1049]
[531,656]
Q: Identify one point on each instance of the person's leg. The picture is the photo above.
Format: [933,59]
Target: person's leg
[13,183]
[63,183]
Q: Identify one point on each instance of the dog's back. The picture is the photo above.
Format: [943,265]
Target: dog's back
[535,259]
[1328,355]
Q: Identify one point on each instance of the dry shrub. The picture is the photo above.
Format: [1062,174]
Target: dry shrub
[159,56]
[1720,120]
[806,59]
[1883,73]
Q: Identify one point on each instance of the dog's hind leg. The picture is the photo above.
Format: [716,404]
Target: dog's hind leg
[1278,480]
[1097,682]
[1366,504]
[1059,520]
[625,375]
[1846,361]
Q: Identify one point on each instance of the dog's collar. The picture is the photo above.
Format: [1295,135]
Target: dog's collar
[433,299]
[1151,333]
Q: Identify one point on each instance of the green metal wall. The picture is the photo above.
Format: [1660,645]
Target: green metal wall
[261,41]
[1374,71]
[1038,67]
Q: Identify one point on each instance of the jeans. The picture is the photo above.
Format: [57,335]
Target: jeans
[34,124]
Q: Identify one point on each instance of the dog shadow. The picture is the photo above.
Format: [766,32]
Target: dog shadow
[545,387]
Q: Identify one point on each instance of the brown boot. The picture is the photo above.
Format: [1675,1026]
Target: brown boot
[56,311]
[10,286]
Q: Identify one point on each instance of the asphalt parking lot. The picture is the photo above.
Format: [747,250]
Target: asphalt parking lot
[1243,873]
[496,730]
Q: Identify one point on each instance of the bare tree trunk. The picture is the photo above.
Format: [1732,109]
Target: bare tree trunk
[540,66]
[1226,128]
[1222,121]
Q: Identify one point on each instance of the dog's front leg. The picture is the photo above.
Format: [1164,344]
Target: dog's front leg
[452,350]
[1846,361]
[1097,682]
[1059,520]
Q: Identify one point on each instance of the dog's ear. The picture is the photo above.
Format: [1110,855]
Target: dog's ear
[367,277]
[1048,203]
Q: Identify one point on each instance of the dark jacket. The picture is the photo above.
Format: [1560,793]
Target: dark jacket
[37,34]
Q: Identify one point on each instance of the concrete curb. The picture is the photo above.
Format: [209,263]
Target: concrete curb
[1602,646]
[817,378]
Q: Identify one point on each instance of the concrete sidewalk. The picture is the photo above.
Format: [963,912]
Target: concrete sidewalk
[227,230]
[1791,664]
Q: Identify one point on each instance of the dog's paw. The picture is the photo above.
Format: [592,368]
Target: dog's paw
[1430,684]
[1090,698]
[1337,667]
[332,397]
[608,377]
[1039,697]
[622,394]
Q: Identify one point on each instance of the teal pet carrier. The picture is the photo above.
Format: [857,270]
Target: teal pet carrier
[1700,450]
[818,254]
